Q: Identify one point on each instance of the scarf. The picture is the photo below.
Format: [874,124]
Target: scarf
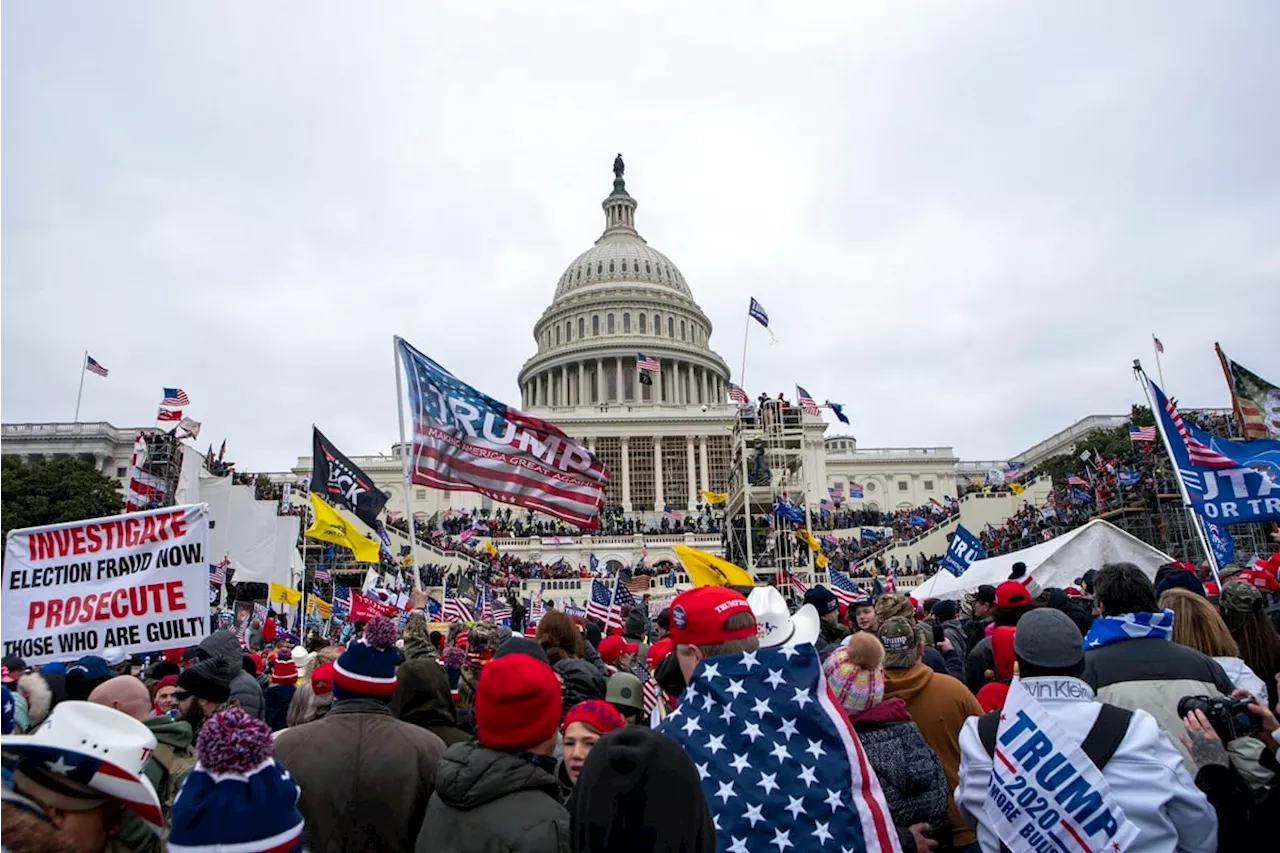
[1129,626]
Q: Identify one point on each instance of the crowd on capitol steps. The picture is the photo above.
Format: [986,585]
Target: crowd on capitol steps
[1124,712]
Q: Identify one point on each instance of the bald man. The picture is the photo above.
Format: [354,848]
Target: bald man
[175,755]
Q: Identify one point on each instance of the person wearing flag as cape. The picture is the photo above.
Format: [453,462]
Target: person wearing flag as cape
[779,762]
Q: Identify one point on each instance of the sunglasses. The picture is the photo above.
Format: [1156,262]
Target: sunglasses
[181,695]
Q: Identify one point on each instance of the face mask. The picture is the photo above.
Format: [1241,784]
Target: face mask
[669,676]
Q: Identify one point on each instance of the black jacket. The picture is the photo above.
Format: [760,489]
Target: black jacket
[422,698]
[277,699]
[582,681]
[493,801]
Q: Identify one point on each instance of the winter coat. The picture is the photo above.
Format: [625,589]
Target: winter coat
[954,633]
[832,633]
[276,700]
[944,664]
[167,769]
[245,689]
[914,784]
[637,626]
[980,661]
[939,705]
[38,691]
[494,802]
[1243,677]
[365,777]
[422,699]
[582,681]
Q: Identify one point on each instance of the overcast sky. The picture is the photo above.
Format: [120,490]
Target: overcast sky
[964,219]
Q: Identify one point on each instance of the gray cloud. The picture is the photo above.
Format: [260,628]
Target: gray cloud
[964,223]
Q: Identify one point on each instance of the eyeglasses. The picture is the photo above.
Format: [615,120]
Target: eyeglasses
[181,695]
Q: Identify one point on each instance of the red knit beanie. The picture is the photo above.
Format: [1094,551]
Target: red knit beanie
[517,703]
[597,713]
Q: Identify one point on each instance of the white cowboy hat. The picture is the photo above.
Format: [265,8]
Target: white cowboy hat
[300,656]
[97,748]
[776,625]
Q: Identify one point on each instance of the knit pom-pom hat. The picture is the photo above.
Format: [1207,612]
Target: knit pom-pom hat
[517,704]
[285,671]
[855,673]
[367,669]
[596,713]
[237,797]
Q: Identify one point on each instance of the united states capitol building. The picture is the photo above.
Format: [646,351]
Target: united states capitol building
[664,441]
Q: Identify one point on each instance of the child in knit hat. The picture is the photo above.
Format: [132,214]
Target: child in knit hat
[909,771]
[237,797]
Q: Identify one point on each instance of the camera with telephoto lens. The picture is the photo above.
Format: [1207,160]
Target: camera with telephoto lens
[1229,715]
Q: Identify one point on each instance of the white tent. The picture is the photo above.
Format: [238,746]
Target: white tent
[1057,562]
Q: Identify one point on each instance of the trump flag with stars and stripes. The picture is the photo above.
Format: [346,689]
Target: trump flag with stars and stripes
[779,761]
[464,440]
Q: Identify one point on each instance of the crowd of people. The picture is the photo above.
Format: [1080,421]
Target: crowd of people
[567,737]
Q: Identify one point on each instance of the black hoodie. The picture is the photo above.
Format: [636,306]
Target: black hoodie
[582,681]
[639,791]
[422,698]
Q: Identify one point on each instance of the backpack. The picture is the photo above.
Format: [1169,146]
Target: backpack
[1102,741]
[174,767]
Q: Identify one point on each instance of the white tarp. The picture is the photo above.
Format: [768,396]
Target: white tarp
[1057,562]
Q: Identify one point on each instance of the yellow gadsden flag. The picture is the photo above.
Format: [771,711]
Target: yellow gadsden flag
[709,570]
[331,527]
[714,498]
[1016,488]
[281,594]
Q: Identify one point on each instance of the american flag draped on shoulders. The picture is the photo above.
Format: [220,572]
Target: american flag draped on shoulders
[779,762]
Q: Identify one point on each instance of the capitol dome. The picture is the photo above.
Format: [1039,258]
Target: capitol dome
[619,300]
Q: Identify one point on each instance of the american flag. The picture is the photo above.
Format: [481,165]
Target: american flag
[638,584]
[650,690]
[601,599]
[169,415]
[672,514]
[737,395]
[456,610]
[1073,480]
[797,584]
[845,590]
[323,575]
[500,610]
[500,452]
[93,367]
[807,403]
[1137,433]
[218,573]
[891,580]
[341,597]
[647,364]
[621,596]
[793,774]
[1199,453]
[855,491]
[175,397]
[1159,346]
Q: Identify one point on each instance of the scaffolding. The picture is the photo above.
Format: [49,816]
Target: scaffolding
[768,465]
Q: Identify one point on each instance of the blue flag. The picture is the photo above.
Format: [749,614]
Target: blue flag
[963,550]
[918,520]
[778,759]
[838,410]
[1080,496]
[1128,479]
[756,310]
[785,510]
[870,535]
[1224,547]
[1232,482]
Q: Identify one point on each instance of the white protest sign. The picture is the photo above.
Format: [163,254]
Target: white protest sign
[1045,793]
[137,582]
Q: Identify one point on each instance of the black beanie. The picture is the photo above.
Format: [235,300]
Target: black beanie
[944,610]
[639,784]
[522,646]
[209,680]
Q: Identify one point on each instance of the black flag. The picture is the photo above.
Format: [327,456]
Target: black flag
[336,479]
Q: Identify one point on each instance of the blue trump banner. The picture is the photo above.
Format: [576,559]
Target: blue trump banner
[963,550]
[1224,547]
[1230,482]
[464,440]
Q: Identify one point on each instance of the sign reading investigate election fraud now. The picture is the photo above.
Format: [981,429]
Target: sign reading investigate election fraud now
[136,582]
[1045,793]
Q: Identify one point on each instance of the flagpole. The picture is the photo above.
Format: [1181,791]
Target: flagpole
[1182,487]
[1155,347]
[404,467]
[81,392]
[742,377]
[1231,387]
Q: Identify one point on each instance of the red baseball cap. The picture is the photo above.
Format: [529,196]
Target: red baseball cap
[658,651]
[614,646]
[1012,594]
[698,616]
[1259,580]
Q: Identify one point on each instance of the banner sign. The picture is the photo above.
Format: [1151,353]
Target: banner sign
[1045,793]
[1231,482]
[364,608]
[963,550]
[466,440]
[1224,547]
[135,582]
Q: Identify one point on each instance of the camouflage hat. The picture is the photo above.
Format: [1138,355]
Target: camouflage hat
[898,636]
[482,637]
[1239,596]
[893,604]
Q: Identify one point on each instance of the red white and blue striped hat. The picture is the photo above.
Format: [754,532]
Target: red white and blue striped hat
[368,666]
[238,798]
[98,749]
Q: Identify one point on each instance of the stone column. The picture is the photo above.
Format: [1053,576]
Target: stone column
[692,472]
[702,453]
[677,390]
[582,383]
[706,387]
[618,378]
[626,473]
[564,385]
[659,501]
[599,380]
